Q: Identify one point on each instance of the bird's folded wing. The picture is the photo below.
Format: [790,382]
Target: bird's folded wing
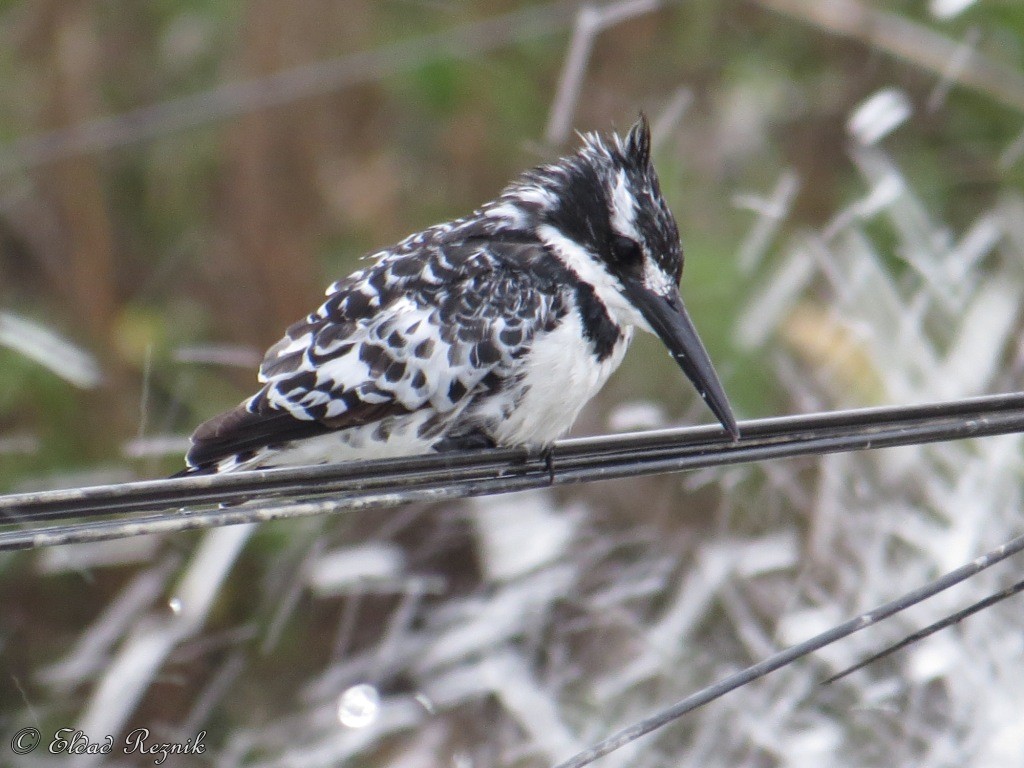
[376,349]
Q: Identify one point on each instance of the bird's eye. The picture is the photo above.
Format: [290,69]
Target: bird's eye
[626,251]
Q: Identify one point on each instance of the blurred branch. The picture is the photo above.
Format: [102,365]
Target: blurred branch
[246,96]
[590,22]
[670,116]
[39,343]
[270,494]
[911,42]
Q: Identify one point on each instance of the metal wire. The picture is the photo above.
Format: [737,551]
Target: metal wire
[921,634]
[130,509]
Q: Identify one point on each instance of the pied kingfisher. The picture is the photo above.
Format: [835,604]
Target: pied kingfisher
[490,330]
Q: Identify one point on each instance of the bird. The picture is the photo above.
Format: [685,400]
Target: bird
[491,330]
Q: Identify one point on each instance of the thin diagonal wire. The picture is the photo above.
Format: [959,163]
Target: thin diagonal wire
[242,97]
[791,654]
[921,634]
[116,511]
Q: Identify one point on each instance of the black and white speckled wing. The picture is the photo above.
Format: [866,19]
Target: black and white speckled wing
[423,331]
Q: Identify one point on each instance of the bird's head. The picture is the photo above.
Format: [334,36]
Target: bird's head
[602,214]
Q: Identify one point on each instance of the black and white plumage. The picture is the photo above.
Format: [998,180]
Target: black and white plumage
[494,329]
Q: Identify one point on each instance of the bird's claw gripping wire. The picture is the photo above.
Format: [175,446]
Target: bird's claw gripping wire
[548,454]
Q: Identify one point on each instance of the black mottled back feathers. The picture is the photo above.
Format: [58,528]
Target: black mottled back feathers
[430,325]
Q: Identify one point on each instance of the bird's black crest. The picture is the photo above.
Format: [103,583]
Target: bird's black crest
[576,195]
[638,141]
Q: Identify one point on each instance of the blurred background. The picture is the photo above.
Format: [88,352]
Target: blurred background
[179,181]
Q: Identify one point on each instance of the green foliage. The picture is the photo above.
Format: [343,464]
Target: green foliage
[37,404]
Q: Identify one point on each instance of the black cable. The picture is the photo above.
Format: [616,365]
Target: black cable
[949,621]
[389,482]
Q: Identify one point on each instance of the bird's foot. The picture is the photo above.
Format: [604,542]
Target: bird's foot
[549,463]
[545,453]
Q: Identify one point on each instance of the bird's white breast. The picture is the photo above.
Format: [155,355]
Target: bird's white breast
[560,374]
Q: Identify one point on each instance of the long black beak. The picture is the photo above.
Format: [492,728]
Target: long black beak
[668,317]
